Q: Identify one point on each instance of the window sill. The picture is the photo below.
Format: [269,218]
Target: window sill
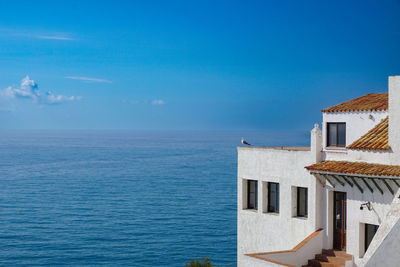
[335,149]
[251,210]
[271,213]
[304,218]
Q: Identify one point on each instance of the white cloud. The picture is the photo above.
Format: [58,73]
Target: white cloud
[88,79]
[7,93]
[35,34]
[29,89]
[57,99]
[158,102]
[132,102]
[53,37]
[143,102]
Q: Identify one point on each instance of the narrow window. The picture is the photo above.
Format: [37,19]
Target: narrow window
[370,231]
[302,202]
[252,194]
[336,134]
[341,134]
[273,197]
[332,134]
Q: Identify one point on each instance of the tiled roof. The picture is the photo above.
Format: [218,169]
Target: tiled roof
[375,139]
[369,102]
[362,168]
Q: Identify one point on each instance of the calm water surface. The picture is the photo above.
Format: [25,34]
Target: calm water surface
[103,198]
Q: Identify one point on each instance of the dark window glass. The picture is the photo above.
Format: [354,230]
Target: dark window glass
[252,194]
[332,134]
[341,134]
[273,197]
[302,202]
[370,231]
[337,134]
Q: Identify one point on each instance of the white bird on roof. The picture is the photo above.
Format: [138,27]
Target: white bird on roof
[244,142]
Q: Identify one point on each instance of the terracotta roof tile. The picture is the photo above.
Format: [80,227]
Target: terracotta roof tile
[375,139]
[363,168]
[369,102]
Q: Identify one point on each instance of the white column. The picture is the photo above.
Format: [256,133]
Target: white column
[394,116]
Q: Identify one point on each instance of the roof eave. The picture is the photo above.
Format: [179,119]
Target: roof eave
[354,174]
[350,111]
[371,149]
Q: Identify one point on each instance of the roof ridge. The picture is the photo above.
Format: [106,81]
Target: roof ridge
[367,102]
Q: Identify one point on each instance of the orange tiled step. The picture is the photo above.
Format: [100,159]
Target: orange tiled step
[337,253]
[332,259]
[318,263]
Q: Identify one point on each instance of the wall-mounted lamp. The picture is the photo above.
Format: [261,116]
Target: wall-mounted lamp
[367,204]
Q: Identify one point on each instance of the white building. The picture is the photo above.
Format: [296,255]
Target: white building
[335,203]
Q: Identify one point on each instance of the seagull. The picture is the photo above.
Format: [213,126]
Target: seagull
[244,142]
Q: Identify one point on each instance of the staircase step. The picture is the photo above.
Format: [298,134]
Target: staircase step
[337,253]
[317,263]
[332,259]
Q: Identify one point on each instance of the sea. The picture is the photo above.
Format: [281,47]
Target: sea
[121,198]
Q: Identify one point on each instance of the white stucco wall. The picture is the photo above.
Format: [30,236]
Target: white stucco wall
[253,262]
[356,217]
[260,231]
[380,157]
[301,256]
[357,123]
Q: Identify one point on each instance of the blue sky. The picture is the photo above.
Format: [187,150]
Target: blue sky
[190,65]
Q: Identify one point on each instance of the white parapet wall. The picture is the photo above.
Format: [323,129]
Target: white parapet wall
[296,257]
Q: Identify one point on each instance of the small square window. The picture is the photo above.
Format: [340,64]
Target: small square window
[336,134]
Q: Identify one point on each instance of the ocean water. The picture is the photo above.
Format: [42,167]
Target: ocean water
[109,198]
